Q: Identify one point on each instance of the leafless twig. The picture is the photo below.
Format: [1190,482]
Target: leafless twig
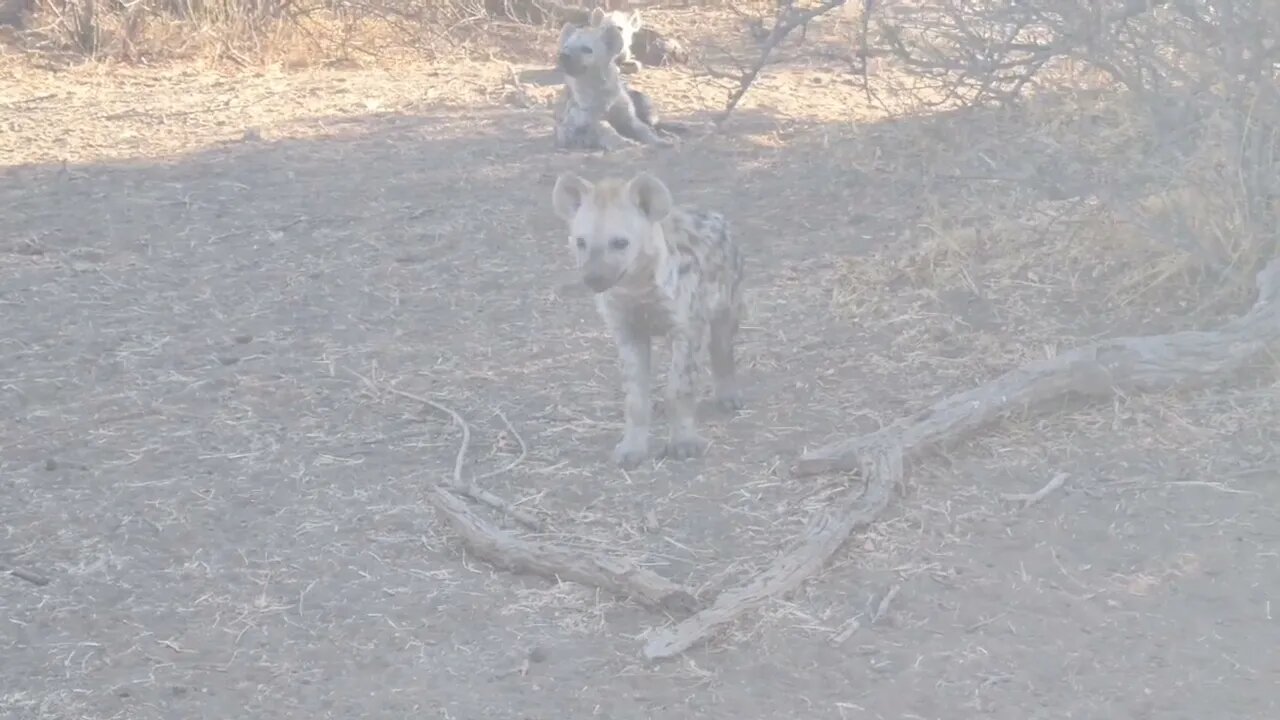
[470,489]
[457,484]
[1029,499]
[524,451]
[787,18]
[29,576]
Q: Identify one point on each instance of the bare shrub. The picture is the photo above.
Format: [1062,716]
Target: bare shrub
[774,32]
[248,30]
[1196,81]
[1198,77]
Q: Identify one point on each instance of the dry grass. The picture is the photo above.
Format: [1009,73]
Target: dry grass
[226,516]
[249,33]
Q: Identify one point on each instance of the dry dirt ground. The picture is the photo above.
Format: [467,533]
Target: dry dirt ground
[211,281]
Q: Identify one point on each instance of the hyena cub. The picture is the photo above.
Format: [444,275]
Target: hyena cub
[595,109]
[657,269]
[628,24]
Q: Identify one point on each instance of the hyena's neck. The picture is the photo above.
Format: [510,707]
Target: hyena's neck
[595,90]
[654,268]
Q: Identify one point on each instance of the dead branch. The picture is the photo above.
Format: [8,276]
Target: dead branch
[1137,364]
[617,576]
[1153,363]
[806,556]
[620,577]
[786,20]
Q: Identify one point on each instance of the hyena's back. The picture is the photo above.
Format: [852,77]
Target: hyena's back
[704,242]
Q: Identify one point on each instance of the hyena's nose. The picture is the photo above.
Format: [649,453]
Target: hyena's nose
[564,59]
[597,282]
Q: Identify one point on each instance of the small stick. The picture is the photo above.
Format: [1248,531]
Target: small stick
[24,101]
[850,627]
[853,625]
[29,576]
[457,484]
[1029,499]
[524,451]
[461,486]
[883,607]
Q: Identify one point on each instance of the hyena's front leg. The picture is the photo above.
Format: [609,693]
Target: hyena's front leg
[622,116]
[682,399]
[610,140]
[634,352]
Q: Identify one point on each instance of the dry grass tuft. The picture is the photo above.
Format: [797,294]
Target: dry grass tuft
[251,33]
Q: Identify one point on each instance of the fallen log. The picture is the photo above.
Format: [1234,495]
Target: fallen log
[1154,363]
[559,563]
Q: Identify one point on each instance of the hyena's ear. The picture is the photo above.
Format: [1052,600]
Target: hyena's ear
[569,194]
[597,16]
[634,20]
[613,43]
[650,195]
[565,33]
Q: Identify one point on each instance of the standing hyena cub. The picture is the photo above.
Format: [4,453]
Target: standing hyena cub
[657,269]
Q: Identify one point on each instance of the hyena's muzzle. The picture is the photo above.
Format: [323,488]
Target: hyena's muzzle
[575,59]
[599,274]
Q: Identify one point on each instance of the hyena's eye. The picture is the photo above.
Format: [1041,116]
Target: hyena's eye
[582,243]
[619,243]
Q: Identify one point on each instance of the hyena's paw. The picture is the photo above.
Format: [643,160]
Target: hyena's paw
[683,448]
[618,144]
[628,454]
[728,394]
[730,401]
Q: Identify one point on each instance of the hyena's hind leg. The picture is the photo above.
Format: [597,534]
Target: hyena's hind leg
[724,370]
[645,112]
[634,351]
[579,131]
[686,346]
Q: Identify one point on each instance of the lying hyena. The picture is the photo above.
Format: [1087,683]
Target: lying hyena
[657,270]
[596,110]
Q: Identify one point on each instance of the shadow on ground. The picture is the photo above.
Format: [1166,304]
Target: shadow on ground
[200,451]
